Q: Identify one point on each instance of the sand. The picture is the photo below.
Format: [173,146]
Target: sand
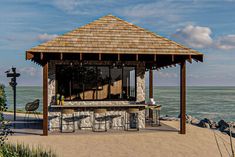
[197,142]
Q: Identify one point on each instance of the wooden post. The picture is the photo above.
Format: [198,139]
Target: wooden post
[183,97]
[151,83]
[150,89]
[45,99]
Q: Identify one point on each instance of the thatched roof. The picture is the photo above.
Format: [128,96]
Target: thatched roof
[112,35]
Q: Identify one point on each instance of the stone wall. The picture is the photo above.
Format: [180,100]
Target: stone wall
[84,119]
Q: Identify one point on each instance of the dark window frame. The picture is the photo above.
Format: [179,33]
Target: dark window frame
[96,66]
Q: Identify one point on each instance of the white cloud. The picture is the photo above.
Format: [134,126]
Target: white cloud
[46,37]
[66,5]
[164,10]
[194,36]
[78,7]
[225,42]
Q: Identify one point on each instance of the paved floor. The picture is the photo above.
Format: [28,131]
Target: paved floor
[22,127]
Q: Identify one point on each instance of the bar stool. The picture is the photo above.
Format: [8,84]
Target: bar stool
[99,119]
[119,118]
[68,119]
[155,119]
[131,119]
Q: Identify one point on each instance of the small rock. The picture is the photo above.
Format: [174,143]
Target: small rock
[223,125]
[203,124]
[232,124]
[195,121]
[209,121]
[189,118]
[207,125]
[214,125]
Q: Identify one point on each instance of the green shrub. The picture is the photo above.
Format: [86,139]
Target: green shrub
[21,150]
[4,125]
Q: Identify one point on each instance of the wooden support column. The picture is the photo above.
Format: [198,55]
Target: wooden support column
[150,89]
[150,83]
[45,99]
[183,97]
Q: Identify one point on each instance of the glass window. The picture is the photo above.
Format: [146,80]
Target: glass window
[103,82]
[116,83]
[128,90]
[63,87]
[77,83]
[90,82]
[96,82]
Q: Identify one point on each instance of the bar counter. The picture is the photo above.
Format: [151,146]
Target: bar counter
[100,106]
[85,114]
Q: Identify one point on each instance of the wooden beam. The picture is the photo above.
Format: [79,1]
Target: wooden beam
[29,56]
[45,99]
[183,97]
[189,59]
[41,56]
[172,58]
[155,57]
[80,56]
[100,58]
[197,58]
[137,57]
[61,56]
[118,57]
[150,83]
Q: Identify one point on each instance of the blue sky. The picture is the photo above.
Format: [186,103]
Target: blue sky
[205,25]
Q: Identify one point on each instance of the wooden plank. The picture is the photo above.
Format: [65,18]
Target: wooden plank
[29,56]
[118,57]
[172,58]
[45,99]
[41,56]
[100,58]
[80,56]
[183,98]
[61,56]
[155,57]
[150,83]
[137,57]
[189,59]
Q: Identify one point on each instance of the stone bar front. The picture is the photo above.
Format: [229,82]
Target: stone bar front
[84,115]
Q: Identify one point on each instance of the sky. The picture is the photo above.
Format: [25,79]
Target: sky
[204,25]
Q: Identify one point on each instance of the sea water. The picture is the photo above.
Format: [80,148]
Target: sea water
[202,102]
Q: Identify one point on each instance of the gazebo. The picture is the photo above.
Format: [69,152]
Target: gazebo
[103,64]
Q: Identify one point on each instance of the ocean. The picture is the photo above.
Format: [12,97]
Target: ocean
[202,102]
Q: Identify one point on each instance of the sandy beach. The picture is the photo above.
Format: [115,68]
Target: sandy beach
[197,142]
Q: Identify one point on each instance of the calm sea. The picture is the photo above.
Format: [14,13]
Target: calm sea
[212,102]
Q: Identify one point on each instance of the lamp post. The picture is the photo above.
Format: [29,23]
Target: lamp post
[13,75]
